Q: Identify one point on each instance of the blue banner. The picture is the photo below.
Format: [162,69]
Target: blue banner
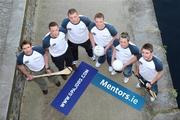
[134,100]
[74,88]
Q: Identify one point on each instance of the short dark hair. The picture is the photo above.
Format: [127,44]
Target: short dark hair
[72,11]
[125,35]
[99,15]
[52,24]
[25,42]
[148,46]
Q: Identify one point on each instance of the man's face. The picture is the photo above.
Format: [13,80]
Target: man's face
[147,54]
[27,49]
[54,31]
[74,18]
[124,42]
[99,23]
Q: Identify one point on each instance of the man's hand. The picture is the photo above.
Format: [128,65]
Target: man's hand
[48,70]
[136,73]
[148,85]
[124,65]
[29,77]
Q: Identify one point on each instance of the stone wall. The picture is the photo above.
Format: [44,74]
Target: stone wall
[19,80]
[145,30]
[11,17]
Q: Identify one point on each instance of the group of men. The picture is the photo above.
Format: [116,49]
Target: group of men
[76,30]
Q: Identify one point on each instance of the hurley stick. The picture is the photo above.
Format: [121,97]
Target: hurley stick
[153,94]
[65,71]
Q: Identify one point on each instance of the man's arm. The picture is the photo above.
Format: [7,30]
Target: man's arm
[131,61]
[111,42]
[157,77]
[25,72]
[92,39]
[113,55]
[46,59]
[136,67]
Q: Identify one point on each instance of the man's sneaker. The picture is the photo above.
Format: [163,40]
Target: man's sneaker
[75,62]
[110,69]
[126,80]
[113,72]
[58,84]
[152,99]
[98,64]
[45,92]
[93,58]
[64,77]
[138,85]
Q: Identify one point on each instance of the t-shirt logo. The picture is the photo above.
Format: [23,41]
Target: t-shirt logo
[82,28]
[69,29]
[26,62]
[117,49]
[140,62]
[94,33]
[105,36]
[53,44]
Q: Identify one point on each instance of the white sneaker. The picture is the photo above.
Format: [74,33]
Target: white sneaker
[75,62]
[98,64]
[113,72]
[152,99]
[138,85]
[126,80]
[93,58]
[110,69]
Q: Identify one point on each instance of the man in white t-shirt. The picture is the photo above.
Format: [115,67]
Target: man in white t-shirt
[77,33]
[102,34]
[55,43]
[124,50]
[33,59]
[149,69]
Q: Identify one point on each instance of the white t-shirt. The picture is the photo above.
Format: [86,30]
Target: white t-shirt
[77,33]
[149,69]
[57,46]
[125,54]
[35,61]
[104,36]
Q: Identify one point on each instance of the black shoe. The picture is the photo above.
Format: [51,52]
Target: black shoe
[64,77]
[74,67]
[45,92]
[119,71]
[58,84]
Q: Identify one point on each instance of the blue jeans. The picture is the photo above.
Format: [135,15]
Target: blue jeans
[154,88]
[127,72]
[107,55]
